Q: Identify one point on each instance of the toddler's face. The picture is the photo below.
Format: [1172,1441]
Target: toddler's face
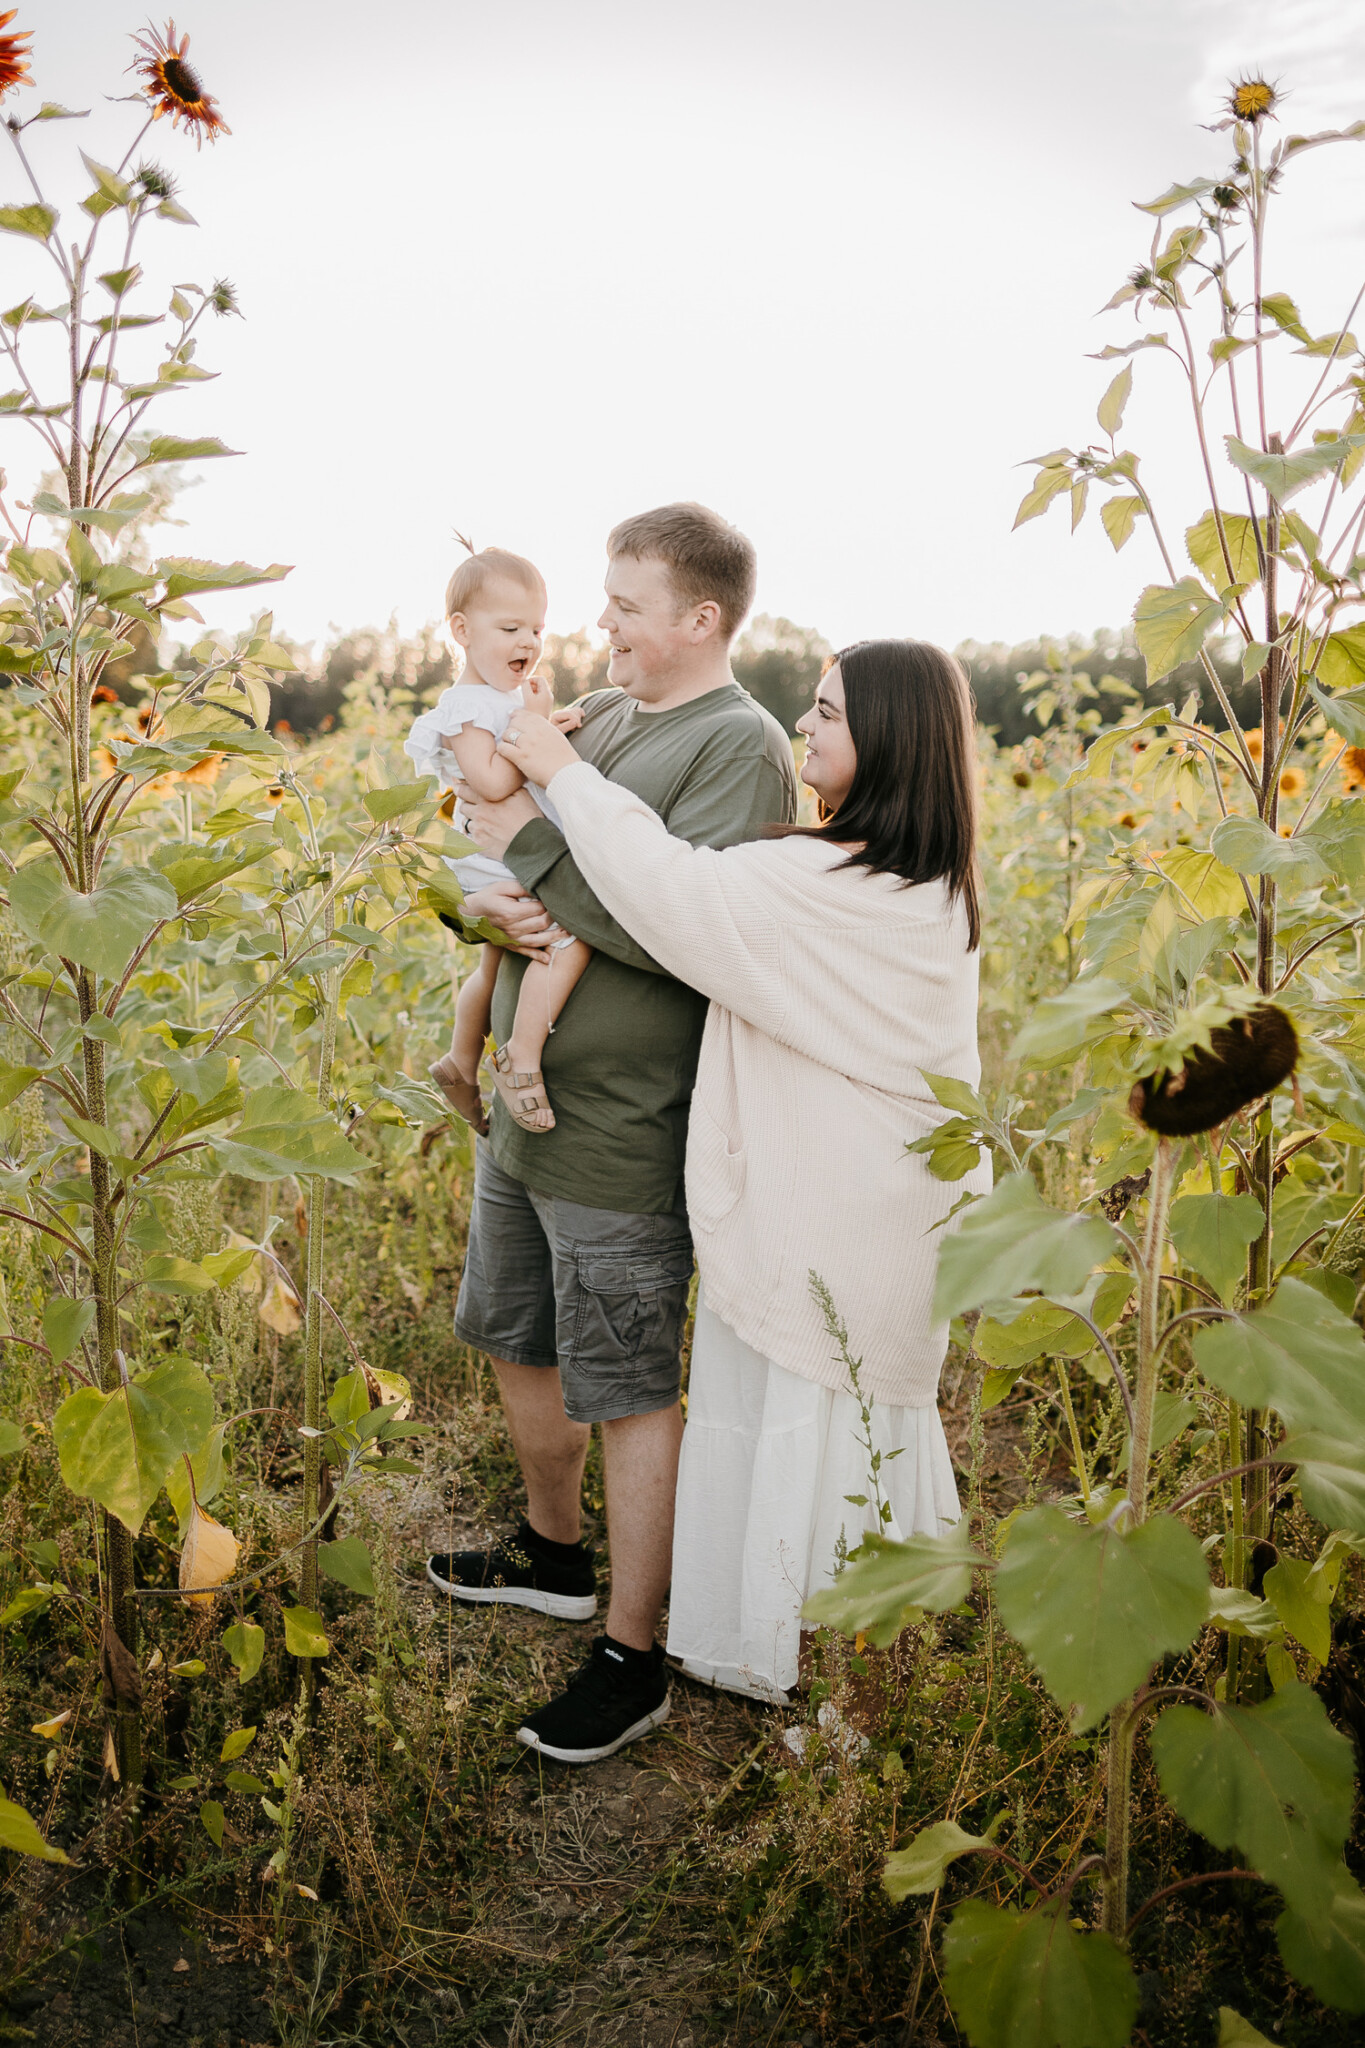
[501,633]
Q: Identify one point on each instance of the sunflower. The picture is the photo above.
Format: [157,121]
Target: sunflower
[173,85]
[1353,771]
[1255,742]
[274,796]
[1292,782]
[14,55]
[104,759]
[205,772]
[1251,99]
[102,694]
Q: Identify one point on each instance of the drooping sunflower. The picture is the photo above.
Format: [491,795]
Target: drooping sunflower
[14,55]
[1251,99]
[174,87]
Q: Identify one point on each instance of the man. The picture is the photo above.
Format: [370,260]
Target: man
[579,1252]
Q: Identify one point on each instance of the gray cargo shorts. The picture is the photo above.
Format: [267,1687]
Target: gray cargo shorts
[600,1293]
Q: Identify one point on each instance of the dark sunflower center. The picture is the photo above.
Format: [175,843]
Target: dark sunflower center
[182,80]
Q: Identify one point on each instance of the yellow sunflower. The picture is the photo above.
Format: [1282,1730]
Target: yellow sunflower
[205,772]
[174,87]
[1353,770]
[1292,782]
[14,55]
[1255,743]
[1251,99]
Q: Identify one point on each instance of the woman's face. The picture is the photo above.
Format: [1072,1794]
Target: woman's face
[830,755]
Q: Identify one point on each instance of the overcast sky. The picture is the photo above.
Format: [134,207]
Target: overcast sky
[526,267]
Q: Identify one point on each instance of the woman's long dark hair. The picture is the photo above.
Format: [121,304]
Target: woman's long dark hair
[911,808]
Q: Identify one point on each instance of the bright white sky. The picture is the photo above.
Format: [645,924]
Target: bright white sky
[526,267]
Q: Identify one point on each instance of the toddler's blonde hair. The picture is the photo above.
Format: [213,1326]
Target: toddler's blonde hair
[468,582]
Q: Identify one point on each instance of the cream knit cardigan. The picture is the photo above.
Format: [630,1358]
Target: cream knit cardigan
[832,991]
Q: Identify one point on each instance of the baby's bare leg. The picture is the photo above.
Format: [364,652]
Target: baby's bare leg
[544,991]
[457,1072]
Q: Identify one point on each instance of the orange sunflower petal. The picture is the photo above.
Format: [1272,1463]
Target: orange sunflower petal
[174,87]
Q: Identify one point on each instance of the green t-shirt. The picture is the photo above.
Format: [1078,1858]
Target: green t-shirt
[620,1065]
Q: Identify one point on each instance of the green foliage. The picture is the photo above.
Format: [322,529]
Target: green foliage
[1012,1240]
[1096,1609]
[1275,1781]
[924,1864]
[888,1585]
[1032,1980]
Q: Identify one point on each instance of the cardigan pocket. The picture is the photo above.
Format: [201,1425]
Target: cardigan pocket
[715,1170]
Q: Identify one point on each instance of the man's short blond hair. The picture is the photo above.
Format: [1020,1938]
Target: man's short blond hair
[474,573]
[708,560]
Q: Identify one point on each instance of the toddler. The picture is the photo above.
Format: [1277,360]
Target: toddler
[495,604]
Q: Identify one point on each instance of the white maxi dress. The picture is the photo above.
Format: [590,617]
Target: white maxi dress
[763,1517]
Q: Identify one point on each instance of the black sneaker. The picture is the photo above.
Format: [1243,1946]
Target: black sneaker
[518,1573]
[615,1698]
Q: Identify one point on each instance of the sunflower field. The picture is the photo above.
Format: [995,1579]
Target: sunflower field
[1080,1773]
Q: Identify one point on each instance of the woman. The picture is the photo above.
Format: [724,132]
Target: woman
[841,965]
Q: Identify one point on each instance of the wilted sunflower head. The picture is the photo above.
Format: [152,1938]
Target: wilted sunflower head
[174,87]
[1227,197]
[1292,782]
[1353,770]
[1247,1059]
[14,55]
[1251,99]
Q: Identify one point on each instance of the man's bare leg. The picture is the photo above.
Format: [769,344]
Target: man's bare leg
[550,1449]
[640,1453]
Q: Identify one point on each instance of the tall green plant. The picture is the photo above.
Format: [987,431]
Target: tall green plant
[177,1013]
[1207,1272]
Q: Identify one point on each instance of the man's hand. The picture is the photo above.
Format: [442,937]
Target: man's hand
[516,912]
[493,826]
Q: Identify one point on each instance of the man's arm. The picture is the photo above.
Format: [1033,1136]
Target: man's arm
[727,799]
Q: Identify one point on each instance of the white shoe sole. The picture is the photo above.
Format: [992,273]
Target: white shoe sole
[562,1606]
[531,1740]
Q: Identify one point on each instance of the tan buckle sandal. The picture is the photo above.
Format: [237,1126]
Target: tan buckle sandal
[462,1095]
[524,1093]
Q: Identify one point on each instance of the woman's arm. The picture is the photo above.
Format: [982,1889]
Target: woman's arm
[694,910]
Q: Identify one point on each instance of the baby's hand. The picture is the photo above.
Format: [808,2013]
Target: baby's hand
[568,718]
[537,694]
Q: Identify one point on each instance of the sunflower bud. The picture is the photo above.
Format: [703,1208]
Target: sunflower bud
[1251,99]
[1246,1059]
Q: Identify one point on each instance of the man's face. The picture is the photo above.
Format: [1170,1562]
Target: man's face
[501,633]
[650,632]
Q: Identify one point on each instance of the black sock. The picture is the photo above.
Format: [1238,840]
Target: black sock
[556,1553]
[634,1660]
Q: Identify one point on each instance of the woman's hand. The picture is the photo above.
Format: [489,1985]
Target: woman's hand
[533,745]
[493,826]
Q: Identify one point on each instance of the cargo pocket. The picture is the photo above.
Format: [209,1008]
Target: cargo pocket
[630,1304]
